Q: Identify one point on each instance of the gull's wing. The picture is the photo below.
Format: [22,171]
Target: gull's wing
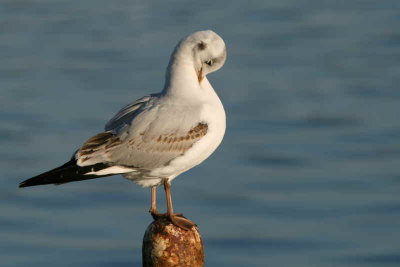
[144,137]
[127,113]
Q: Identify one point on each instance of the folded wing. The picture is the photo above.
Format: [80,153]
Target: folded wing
[139,137]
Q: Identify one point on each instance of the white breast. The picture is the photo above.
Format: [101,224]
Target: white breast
[213,113]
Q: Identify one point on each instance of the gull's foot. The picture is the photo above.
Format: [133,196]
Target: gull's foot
[155,214]
[177,219]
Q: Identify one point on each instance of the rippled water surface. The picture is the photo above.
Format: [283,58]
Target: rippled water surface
[307,175]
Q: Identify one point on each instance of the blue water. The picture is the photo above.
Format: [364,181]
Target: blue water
[308,172]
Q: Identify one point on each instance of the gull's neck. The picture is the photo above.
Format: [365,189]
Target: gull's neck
[181,78]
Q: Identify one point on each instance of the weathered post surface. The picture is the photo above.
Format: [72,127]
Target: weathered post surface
[166,245]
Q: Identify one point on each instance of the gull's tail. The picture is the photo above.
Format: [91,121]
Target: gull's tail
[69,172]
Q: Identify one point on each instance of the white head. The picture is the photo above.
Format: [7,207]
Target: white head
[203,51]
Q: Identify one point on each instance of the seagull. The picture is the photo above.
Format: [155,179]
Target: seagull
[154,139]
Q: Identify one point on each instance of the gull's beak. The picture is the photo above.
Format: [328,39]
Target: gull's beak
[200,75]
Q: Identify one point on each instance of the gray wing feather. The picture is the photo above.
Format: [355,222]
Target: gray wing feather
[143,136]
[126,114]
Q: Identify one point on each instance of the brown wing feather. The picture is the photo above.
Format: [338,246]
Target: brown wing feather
[171,144]
[100,142]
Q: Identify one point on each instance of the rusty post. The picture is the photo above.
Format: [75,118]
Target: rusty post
[166,245]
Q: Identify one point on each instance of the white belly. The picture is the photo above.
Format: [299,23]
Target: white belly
[214,116]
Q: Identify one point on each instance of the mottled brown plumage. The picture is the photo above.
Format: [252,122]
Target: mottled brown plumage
[169,142]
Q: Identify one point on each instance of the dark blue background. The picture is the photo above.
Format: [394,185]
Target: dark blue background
[308,172]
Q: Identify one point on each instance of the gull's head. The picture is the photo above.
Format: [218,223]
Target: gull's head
[205,49]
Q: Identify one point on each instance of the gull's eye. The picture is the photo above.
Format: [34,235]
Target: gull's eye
[209,62]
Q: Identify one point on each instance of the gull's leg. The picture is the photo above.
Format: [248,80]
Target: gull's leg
[176,219]
[153,210]
[167,188]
